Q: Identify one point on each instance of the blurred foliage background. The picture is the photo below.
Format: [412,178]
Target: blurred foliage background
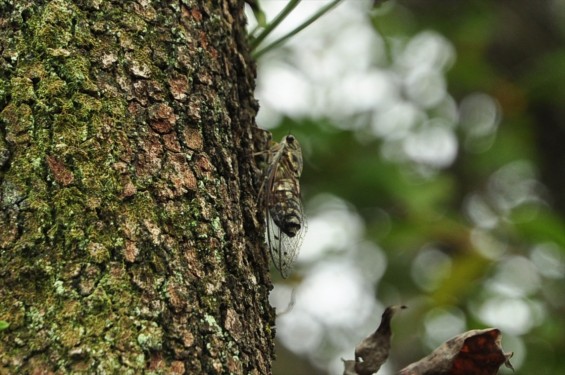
[434,142]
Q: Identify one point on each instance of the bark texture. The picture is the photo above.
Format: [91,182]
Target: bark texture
[129,239]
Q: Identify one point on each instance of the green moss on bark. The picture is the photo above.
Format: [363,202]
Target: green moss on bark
[122,243]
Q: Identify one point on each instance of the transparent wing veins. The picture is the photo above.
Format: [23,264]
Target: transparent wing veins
[283,249]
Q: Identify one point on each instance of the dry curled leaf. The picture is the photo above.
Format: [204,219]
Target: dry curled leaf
[476,352]
[373,351]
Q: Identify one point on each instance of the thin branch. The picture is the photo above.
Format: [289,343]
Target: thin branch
[290,34]
[271,26]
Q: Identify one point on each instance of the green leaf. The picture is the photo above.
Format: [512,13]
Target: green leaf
[3,325]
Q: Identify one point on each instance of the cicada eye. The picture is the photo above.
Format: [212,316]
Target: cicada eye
[290,138]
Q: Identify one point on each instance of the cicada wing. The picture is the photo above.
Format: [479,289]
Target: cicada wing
[284,249]
[280,196]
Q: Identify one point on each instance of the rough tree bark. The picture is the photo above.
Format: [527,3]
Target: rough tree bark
[129,239]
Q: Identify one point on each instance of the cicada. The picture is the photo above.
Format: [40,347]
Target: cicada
[280,193]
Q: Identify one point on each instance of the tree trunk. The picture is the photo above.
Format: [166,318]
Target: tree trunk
[129,234]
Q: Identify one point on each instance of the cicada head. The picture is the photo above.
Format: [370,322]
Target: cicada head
[293,153]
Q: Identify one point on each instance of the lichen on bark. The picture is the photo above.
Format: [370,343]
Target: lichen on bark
[129,234]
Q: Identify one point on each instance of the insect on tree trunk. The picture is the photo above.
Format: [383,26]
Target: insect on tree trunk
[129,239]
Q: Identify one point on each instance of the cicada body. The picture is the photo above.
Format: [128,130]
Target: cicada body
[286,224]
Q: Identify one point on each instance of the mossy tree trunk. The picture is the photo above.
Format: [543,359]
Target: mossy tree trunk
[129,239]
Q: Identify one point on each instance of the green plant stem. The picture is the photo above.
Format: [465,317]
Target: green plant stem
[271,26]
[304,25]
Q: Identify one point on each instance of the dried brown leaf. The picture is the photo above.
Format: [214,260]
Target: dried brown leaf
[476,352]
[373,351]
